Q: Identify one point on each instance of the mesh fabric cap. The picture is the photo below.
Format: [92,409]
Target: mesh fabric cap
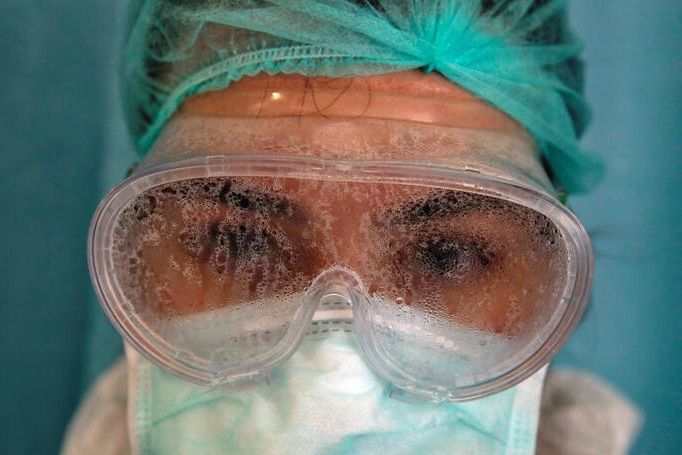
[518,55]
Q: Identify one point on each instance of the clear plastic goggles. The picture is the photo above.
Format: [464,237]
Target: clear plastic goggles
[457,284]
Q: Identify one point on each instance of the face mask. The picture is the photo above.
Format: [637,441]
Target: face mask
[324,400]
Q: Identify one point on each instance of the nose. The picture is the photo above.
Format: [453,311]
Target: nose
[346,228]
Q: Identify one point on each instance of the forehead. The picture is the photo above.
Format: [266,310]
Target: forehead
[406,116]
[408,96]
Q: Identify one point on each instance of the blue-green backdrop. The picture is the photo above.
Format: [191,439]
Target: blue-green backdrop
[62,143]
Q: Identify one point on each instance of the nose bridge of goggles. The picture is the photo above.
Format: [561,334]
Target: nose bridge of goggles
[339,301]
[327,306]
[332,296]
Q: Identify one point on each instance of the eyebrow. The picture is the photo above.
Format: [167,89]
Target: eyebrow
[244,197]
[441,204]
[448,203]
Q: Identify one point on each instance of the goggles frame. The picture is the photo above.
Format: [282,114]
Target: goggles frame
[471,179]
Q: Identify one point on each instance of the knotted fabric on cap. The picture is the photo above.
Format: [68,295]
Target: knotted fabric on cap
[518,55]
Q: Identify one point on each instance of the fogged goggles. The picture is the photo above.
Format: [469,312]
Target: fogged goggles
[457,284]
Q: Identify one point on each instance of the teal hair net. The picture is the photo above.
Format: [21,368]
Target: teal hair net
[518,55]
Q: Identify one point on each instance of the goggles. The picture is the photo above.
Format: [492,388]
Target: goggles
[457,283]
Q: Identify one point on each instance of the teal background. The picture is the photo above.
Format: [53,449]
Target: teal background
[633,334]
[62,144]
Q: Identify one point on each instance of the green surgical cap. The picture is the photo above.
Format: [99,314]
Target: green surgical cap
[518,55]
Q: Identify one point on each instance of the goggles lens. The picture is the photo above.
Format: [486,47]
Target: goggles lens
[455,292]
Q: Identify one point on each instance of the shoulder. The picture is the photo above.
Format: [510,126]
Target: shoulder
[581,414]
[100,424]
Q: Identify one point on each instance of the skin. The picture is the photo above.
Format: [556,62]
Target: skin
[502,286]
[355,97]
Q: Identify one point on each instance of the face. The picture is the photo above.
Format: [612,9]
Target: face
[218,242]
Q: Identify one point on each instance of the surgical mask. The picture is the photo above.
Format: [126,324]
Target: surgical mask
[459,282]
[324,400]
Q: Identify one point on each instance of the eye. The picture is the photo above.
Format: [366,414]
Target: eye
[454,259]
[231,245]
[241,242]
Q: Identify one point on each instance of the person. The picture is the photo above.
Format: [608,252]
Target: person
[348,232]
